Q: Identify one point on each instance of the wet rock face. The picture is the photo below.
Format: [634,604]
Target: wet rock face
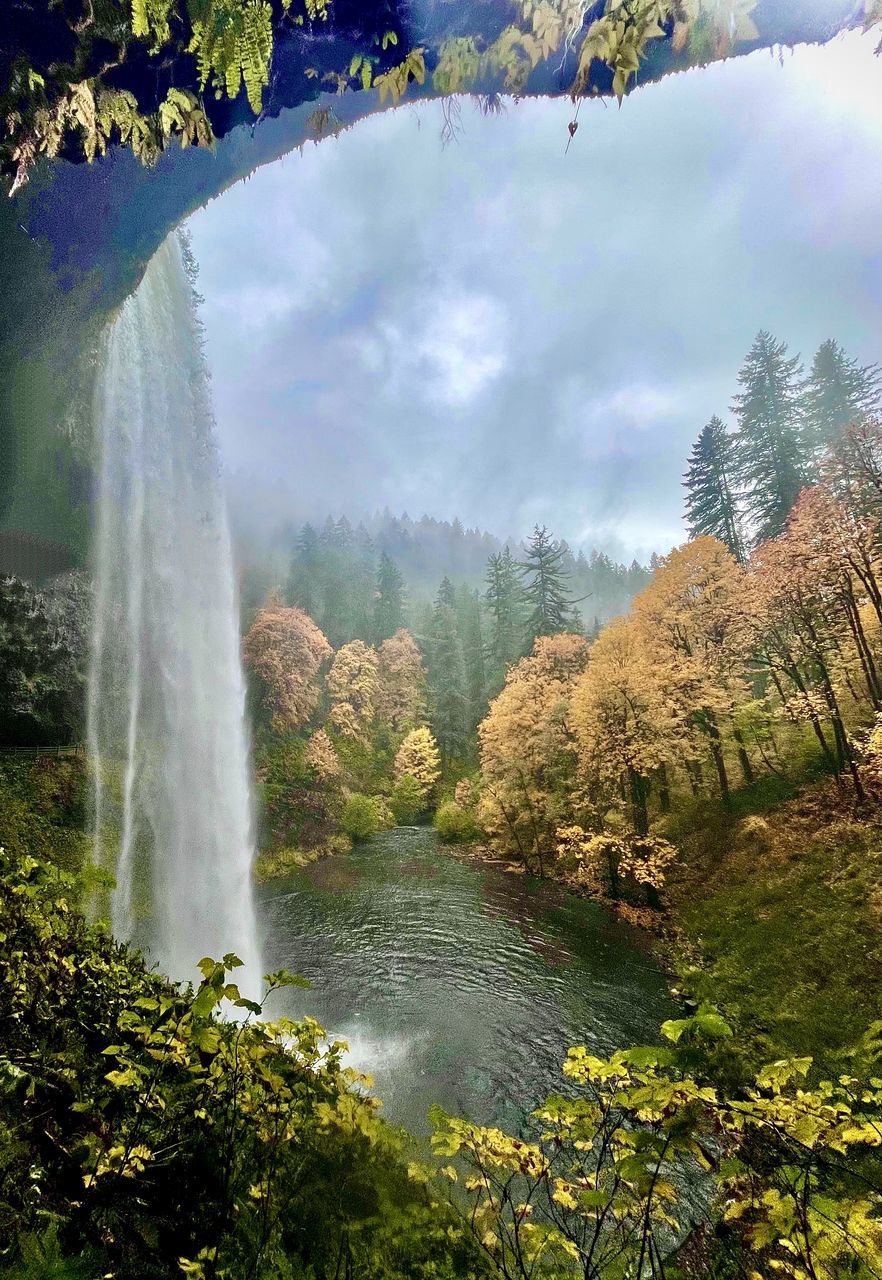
[109,217]
[85,40]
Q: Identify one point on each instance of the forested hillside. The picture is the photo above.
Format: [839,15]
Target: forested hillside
[333,567]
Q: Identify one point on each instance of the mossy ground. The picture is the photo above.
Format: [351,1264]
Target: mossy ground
[273,864]
[43,808]
[779,906]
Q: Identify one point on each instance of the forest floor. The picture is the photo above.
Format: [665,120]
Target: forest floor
[776,909]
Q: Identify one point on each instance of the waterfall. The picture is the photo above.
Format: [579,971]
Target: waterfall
[166,702]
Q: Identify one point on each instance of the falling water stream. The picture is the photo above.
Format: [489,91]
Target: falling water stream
[166,729]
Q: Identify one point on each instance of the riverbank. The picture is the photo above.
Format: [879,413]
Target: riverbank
[274,864]
[772,912]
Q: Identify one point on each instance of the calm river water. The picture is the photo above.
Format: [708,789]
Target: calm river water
[456,983]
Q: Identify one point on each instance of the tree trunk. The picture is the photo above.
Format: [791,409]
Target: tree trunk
[716,748]
[639,813]
[845,752]
[664,789]
[743,757]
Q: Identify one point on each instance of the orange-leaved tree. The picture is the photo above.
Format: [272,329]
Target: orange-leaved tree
[354,687]
[528,752]
[402,693]
[286,651]
[804,637]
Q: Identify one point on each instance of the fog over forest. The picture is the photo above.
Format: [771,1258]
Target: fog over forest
[510,331]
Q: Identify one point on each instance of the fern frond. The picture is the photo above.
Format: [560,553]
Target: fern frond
[256,46]
[140,19]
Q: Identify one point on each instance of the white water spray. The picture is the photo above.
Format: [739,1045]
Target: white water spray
[166,725]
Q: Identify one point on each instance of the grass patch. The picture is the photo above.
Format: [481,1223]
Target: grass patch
[783,913]
[277,863]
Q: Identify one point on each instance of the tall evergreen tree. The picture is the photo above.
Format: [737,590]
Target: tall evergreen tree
[468,611]
[543,575]
[363,585]
[389,600]
[836,392]
[772,460]
[710,501]
[303,581]
[333,608]
[503,600]
[448,704]
[446,592]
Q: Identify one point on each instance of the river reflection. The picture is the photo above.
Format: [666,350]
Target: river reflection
[456,983]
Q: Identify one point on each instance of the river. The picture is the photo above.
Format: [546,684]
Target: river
[454,982]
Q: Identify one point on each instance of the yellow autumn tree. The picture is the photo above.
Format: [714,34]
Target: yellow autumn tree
[626,724]
[605,863]
[353,688]
[701,639]
[527,750]
[418,758]
[402,691]
[286,651]
[839,546]
[321,757]
[805,642]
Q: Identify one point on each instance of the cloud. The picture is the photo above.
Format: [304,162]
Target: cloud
[513,334]
[462,348]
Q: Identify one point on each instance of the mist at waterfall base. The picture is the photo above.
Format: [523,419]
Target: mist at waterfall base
[166,708]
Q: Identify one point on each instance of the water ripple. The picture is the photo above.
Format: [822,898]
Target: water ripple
[455,983]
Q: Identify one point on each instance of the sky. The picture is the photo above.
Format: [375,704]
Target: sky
[506,331]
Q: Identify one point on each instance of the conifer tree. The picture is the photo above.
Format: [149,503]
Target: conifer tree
[543,575]
[335,600]
[362,586]
[448,704]
[836,392]
[389,600]
[303,585]
[770,453]
[446,592]
[710,501]
[503,600]
[468,611]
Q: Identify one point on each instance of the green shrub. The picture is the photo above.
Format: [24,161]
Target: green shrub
[383,810]
[146,1137]
[364,816]
[407,801]
[361,819]
[454,824]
